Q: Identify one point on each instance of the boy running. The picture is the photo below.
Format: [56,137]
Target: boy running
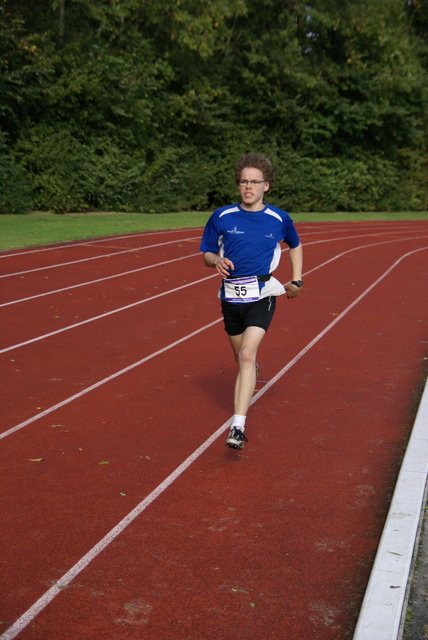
[242,242]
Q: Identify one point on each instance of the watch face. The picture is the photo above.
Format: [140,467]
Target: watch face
[298,283]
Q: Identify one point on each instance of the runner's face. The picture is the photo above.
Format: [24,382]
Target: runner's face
[252,194]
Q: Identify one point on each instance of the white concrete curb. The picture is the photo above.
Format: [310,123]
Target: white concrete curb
[384,599]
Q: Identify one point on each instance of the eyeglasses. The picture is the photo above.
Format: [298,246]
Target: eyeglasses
[253,183]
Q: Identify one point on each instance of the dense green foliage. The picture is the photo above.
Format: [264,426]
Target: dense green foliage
[144,105]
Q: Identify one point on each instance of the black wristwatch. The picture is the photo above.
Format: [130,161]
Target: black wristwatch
[298,283]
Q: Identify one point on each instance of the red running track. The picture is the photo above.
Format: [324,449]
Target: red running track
[124,515]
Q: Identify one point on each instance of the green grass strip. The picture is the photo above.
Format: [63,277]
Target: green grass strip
[37,229]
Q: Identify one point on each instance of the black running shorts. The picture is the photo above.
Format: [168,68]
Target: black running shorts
[238,317]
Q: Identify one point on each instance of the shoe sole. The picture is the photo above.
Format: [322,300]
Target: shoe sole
[234,445]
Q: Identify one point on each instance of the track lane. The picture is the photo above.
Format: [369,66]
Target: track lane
[96,354]
[92,249]
[103,279]
[68,314]
[43,281]
[252,509]
[9,270]
[285,344]
[58,311]
[42,284]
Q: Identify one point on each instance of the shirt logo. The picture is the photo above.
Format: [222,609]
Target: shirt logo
[235,231]
[270,235]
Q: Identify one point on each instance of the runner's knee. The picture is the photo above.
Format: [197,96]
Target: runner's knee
[247,357]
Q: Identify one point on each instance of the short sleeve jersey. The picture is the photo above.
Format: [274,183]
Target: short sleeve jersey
[251,239]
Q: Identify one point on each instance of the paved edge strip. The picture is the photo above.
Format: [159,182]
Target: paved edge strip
[385,597]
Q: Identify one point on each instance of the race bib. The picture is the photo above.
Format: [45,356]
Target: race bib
[242,289]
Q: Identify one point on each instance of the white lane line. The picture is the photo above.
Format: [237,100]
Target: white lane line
[104,315]
[104,255]
[65,580]
[100,383]
[136,364]
[161,244]
[384,600]
[71,244]
[84,284]
[139,302]
[374,244]
[335,321]
[118,275]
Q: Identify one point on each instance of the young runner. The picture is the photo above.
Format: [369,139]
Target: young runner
[242,242]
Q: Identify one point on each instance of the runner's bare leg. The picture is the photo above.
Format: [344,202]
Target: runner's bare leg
[245,347]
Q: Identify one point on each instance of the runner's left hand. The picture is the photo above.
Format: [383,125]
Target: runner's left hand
[292,290]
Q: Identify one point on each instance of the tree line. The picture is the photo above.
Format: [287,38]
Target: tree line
[144,105]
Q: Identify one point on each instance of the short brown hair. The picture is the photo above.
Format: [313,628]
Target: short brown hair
[257,161]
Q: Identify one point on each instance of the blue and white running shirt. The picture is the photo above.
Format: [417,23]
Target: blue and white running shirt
[251,239]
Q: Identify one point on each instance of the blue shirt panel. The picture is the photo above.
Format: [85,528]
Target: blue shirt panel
[249,238]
